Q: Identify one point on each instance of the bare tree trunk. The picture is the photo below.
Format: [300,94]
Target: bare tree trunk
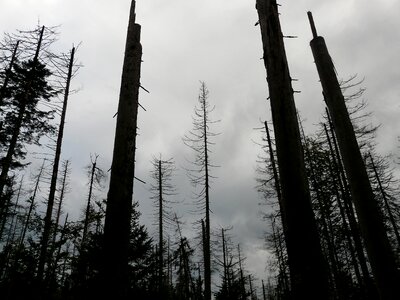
[242,285]
[348,207]
[225,278]
[62,192]
[58,255]
[43,256]
[119,201]
[308,269]
[32,198]
[11,229]
[337,181]
[251,288]
[263,289]
[207,247]
[87,213]
[160,227]
[385,200]
[373,231]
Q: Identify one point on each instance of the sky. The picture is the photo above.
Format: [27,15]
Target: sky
[216,41]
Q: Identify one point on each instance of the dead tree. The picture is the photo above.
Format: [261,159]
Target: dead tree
[63,190]
[96,176]
[162,189]
[119,200]
[14,216]
[379,251]
[308,269]
[31,202]
[50,202]
[200,141]
[386,202]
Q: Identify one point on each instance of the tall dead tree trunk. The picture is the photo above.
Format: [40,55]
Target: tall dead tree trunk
[119,200]
[50,202]
[207,254]
[309,278]
[380,254]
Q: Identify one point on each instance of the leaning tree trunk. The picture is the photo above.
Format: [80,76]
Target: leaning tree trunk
[308,269]
[119,200]
[379,251]
[43,257]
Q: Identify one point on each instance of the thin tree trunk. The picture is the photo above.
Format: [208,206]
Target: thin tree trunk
[43,256]
[62,192]
[225,279]
[32,198]
[57,258]
[308,269]
[87,213]
[207,254]
[373,231]
[336,179]
[385,200]
[119,200]
[251,287]
[370,288]
[160,225]
[242,285]
[11,231]
[263,289]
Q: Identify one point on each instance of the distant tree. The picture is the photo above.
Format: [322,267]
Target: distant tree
[162,189]
[96,180]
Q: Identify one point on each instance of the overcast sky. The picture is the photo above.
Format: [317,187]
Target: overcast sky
[185,41]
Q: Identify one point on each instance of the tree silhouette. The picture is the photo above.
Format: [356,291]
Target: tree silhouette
[200,141]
